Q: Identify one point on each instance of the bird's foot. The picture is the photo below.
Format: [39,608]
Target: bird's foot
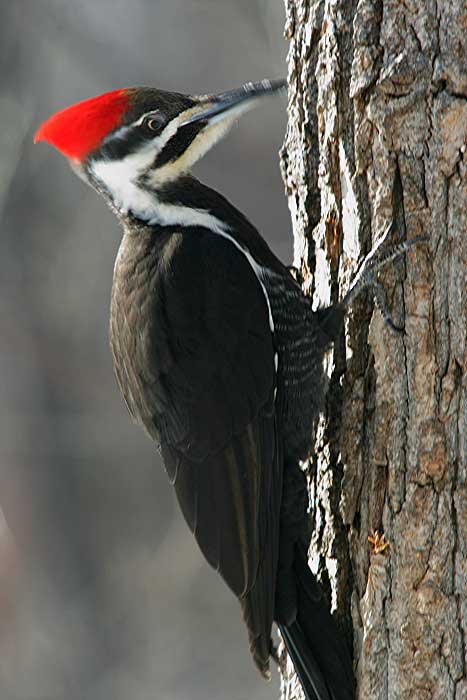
[380,255]
[381,301]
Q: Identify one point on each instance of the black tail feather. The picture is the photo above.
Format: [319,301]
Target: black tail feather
[306,668]
[317,648]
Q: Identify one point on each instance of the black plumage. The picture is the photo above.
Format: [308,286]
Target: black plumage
[219,356]
[202,382]
[195,359]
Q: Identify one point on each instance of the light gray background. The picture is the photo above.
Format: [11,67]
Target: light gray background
[103,593]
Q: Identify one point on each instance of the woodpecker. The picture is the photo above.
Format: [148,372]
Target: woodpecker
[218,355]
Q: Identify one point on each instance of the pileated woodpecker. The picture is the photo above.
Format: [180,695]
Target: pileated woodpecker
[218,355]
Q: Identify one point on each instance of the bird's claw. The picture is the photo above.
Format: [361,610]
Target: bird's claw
[381,301]
[379,256]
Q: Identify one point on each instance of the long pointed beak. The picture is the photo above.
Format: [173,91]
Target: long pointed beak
[234,102]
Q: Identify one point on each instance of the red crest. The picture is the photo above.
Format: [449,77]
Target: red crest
[79,129]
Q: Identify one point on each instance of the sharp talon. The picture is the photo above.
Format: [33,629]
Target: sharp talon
[381,302]
[379,256]
[399,330]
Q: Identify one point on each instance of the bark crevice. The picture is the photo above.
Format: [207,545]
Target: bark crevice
[377,133]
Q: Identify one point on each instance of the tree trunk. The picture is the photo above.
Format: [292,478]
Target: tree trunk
[377,133]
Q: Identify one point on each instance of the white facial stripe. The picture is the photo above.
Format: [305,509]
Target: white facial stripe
[199,146]
[157,142]
[129,197]
[120,176]
[119,133]
[139,121]
[122,131]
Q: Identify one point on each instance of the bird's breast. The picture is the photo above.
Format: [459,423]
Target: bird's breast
[133,316]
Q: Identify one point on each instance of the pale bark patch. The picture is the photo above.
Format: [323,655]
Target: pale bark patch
[378,132]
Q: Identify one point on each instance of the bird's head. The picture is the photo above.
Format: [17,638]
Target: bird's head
[134,140]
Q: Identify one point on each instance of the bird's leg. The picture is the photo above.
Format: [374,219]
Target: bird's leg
[381,301]
[366,278]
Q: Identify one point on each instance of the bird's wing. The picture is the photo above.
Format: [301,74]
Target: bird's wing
[214,388]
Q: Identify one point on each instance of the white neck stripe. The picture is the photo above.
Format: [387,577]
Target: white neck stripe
[259,271]
[128,197]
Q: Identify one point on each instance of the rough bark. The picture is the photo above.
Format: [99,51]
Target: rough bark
[377,132]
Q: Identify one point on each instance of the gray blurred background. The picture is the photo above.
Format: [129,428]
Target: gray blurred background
[103,593]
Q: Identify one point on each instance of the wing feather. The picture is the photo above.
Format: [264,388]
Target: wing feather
[218,432]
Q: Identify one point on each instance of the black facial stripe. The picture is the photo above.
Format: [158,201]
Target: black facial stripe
[117,148]
[178,144]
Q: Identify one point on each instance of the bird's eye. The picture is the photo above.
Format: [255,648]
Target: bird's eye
[154,123]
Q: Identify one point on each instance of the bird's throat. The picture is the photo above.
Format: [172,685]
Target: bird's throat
[164,206]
